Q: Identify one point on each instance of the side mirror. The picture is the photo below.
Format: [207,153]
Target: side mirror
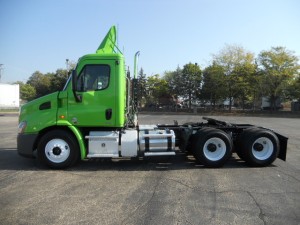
[74,86]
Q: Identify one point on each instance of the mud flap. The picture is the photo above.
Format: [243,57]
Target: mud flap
[283,146]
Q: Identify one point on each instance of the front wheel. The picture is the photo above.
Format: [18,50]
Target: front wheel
[58,149]
[212,147]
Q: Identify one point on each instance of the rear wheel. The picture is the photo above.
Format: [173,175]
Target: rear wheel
[212,147]
[58,149]
[240,141]
[258,147]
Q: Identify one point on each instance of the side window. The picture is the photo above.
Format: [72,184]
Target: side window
[93,77]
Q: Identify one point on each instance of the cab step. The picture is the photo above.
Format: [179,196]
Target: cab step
[97,155]
[146,154]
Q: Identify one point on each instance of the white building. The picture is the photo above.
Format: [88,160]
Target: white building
[9,96]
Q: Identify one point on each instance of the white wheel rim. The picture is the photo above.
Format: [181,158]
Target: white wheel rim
[266,151]
[218,153]
[57,150]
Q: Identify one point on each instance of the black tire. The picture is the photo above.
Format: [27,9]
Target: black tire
[239,145]
[258,147]
[58,149]
[212,147]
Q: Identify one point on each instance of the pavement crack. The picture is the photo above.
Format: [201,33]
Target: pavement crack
[214,204]
[179,182]
[158,182]
[181,213]
[261,215]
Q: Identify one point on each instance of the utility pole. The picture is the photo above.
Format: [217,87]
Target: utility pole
[67,65]
[1,71]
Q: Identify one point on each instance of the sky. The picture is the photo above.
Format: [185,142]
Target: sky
[39,35]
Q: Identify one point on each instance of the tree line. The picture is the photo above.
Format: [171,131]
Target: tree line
[40,84]
[234,75]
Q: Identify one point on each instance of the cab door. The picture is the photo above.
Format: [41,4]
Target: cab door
[96,91]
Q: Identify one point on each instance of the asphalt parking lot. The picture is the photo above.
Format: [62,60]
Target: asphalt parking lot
[167,190]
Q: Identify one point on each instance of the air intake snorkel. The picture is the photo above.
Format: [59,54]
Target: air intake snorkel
[133,109]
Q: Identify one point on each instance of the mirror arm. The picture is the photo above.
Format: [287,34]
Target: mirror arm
[74,86]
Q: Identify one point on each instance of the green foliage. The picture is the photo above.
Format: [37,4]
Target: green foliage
[293,90]
[142,87]
[296,87]
[40,82]
[191,82]
[27,92]
[185,82]
[213,88]
[44,84]
[233,74]
[173,79]
[245,81]
[238,65]
[158,91]
[58,80]
[278,67]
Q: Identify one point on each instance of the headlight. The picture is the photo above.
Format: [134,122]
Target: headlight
[22,127]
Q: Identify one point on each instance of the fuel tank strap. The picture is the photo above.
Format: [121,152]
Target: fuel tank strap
[147,145]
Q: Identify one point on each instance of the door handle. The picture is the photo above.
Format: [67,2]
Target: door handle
[108,114]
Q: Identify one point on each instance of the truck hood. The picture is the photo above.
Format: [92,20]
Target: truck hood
[40,107]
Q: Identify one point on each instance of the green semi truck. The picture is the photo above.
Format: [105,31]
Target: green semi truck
[95,116]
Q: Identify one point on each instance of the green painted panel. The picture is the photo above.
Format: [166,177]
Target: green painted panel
[40,113]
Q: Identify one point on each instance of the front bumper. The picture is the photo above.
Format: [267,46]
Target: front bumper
[26,144]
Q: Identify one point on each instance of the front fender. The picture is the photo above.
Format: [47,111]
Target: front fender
[80,140]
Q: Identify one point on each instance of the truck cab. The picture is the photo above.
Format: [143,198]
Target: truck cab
[94,98]
[98,96]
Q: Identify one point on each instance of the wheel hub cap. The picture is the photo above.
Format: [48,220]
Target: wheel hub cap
[258,147]
[211,147]
[57,150]
[214,149]
[262,148]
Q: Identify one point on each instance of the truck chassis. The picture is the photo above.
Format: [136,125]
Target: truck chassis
[211,143]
